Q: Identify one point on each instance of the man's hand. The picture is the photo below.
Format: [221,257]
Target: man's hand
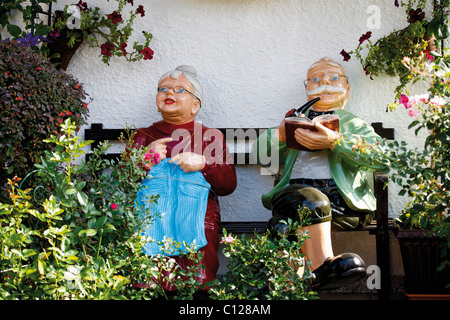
[189,161]
[317,140]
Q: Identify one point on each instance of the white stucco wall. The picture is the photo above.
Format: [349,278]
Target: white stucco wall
[251,57]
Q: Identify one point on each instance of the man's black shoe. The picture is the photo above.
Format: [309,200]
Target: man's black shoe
[338,271]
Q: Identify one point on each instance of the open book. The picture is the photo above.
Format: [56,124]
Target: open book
[331,121]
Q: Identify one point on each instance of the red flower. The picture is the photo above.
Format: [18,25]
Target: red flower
[122,47]
[346,55]
[130,1]
[82,5]
[114,206]
[115,17]
[65,113]
[416,15]
[148,53]
[429,56]
[106,49]
[140,10]
[365,37]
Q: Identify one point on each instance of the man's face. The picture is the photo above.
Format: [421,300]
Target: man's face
[330,84]
[176,107]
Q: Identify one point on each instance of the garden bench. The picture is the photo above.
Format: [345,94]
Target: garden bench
[379,227]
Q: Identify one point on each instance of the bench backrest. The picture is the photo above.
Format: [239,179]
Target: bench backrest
[239,135]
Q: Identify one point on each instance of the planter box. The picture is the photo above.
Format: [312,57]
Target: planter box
[421,256]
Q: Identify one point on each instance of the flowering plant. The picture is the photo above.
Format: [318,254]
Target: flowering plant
[265,267]
[385,55]
[82,237]
[423,173]
[109,31]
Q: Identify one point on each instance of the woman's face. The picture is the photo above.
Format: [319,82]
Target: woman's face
[176,107]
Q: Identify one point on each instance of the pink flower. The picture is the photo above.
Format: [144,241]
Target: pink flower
[438,101]
[114,206]
[423,97]
[429,56]
[404,99]
[228,239]
[411,102]
[152,156]
[148,156]
[413,113]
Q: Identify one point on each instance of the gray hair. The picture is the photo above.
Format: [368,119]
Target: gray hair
[191,74]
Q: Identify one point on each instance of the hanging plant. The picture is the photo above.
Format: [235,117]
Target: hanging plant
[386,55]
[110,32]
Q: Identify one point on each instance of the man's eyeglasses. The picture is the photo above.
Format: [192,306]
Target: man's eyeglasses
[333,78]
[176,90]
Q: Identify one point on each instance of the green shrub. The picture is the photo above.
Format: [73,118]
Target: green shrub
[263,267]
[81,238]
[35,99]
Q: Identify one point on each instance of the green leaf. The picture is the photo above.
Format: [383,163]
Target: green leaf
[87,232]
[80,185]
[14,30]
[40,267]
[100,222]
[82,198]
[70,191]
[91,232]
[42,29]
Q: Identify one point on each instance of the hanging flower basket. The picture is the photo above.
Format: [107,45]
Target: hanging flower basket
[60,52]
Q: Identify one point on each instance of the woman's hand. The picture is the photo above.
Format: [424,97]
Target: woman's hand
[158,151]
[189,161]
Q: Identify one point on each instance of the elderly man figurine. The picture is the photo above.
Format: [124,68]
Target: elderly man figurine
[188,168]
[329,178]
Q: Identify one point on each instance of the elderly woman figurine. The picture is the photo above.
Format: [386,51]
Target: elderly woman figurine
[188,167]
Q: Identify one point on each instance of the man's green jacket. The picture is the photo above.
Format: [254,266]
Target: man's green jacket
[351,158]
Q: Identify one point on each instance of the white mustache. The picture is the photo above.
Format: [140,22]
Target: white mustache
[328,88]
